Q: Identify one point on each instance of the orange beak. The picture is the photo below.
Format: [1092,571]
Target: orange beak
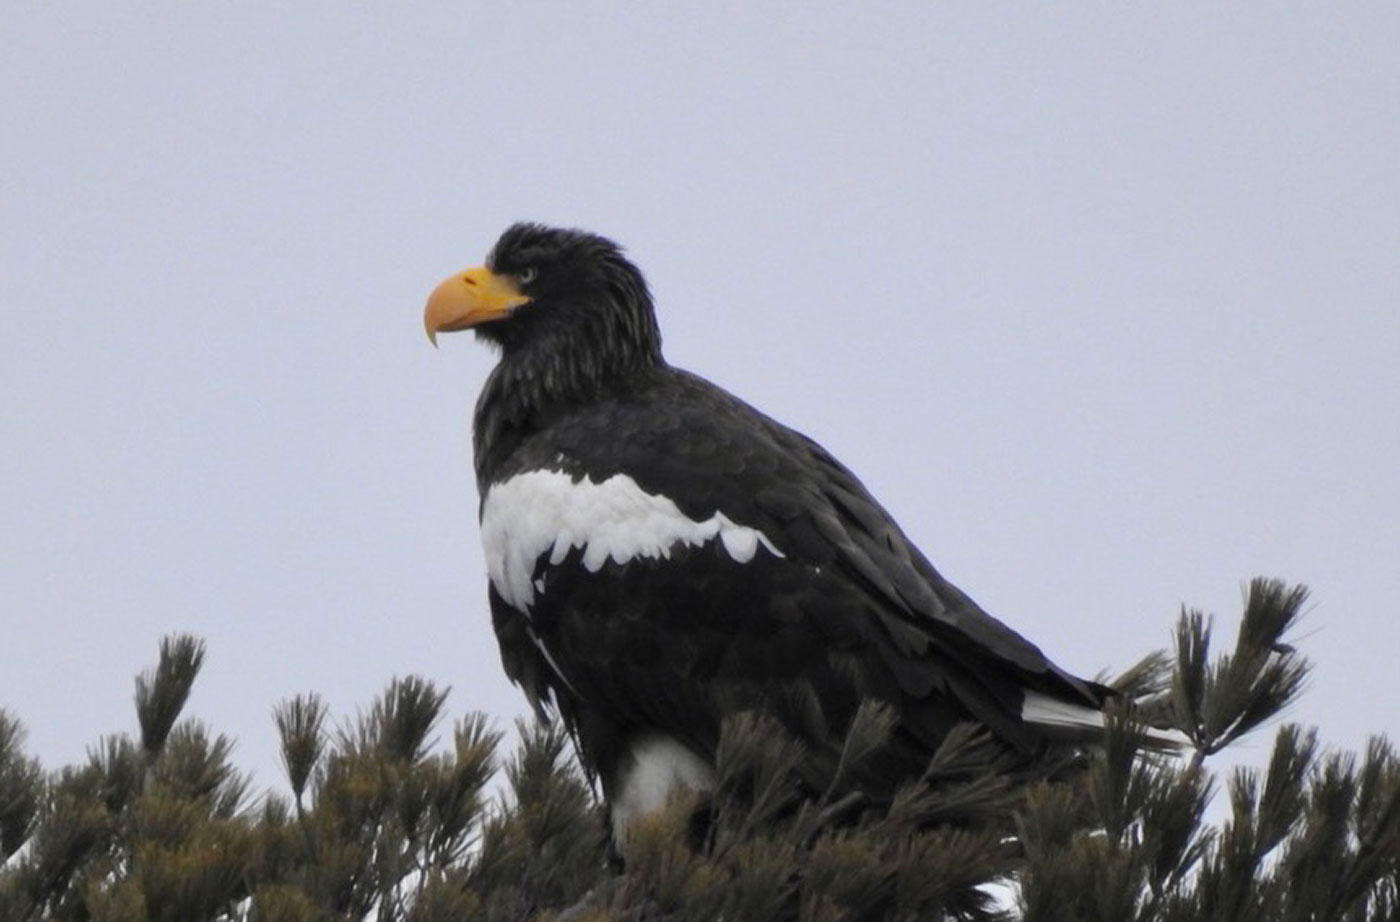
[468,299]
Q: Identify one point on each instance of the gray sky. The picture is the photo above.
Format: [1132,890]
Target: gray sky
[1102,301]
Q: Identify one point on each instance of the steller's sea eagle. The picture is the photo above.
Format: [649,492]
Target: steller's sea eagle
[661,554]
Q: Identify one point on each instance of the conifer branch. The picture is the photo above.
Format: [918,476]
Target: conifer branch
[387,822]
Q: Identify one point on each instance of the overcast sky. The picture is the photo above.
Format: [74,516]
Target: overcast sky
[1101,300]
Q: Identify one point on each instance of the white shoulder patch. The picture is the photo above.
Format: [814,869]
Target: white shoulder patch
[550,511]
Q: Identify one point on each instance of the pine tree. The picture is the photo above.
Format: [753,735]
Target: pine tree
[380,821]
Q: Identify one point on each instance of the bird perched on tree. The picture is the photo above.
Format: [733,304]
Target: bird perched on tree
[661,554]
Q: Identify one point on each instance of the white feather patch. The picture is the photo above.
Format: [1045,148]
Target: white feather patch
[1045,711]
[660,766]
[549,658]
[549,511]
[1039,708]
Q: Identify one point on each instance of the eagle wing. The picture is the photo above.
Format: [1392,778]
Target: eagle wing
[700,556]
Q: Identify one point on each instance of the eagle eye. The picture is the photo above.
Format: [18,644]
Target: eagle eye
[527,275]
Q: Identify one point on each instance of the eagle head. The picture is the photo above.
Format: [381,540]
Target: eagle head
[566,292]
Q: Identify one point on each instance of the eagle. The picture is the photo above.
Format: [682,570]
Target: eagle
[661,554]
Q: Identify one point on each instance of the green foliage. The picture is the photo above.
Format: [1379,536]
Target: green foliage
[387,821]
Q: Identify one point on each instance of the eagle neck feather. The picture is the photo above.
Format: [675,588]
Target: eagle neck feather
[534,385]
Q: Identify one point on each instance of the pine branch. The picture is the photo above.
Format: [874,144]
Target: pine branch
[1215,704]
[385,822]
[301,728]
[21,787]
[161,692]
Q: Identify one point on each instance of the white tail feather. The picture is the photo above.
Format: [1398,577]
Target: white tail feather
[1044,711]
[1040,709]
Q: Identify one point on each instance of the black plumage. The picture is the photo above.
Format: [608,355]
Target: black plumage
[833,606]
